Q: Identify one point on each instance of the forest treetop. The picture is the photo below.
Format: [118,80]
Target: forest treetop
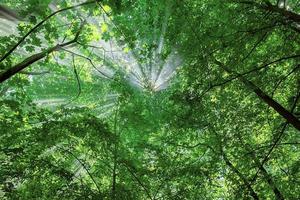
[162,99]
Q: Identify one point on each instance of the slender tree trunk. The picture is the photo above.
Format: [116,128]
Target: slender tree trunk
[114,176]
[241,176]
[265,98]
[265,174]
[115,156]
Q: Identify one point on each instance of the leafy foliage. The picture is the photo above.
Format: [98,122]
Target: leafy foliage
[93,105]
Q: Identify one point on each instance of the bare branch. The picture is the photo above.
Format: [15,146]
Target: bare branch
[34,73]
[88,59]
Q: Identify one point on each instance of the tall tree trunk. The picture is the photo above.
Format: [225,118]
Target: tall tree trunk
[265,98]
[8,14]
[282,11]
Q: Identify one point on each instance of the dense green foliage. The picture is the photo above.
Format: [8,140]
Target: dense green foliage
[160,99]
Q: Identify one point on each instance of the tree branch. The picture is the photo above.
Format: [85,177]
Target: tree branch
[34,73]
[41,23]
[84,166]
[88,59]
[36,57]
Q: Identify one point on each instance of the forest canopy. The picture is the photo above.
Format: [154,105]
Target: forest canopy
[150,99]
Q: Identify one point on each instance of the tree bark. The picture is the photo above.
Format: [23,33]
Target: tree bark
[265,98]
[282,11]
[268,6]
[8,14]
[25,63]
[36,57]
[28,61]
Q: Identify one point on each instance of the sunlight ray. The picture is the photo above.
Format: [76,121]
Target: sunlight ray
[154,74]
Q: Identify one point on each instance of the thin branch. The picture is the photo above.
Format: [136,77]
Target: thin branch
[270,145]
[278,138]
[268,64]
[284,78]
[234,169]
[88,59]
[34,73]
[41,23]
[138,180]
[255,46]
[83,165]
[77,77]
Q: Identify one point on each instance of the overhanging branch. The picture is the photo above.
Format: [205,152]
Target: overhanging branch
[41,23]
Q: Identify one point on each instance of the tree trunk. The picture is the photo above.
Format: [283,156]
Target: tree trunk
[283,11]
[114,176]
[265,98]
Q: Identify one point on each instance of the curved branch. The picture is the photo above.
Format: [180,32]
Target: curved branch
[77,77]
[88,59]
[36,57]
[284,79]
[84,166]
[41,23]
